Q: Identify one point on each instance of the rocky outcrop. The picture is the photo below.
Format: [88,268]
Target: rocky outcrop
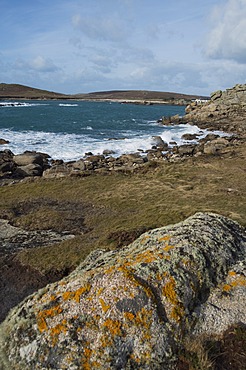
[29,163]
[14,238]
[130,309]
[226,110]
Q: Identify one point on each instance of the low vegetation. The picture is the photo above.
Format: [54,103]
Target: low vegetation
[225,352]
[108,211]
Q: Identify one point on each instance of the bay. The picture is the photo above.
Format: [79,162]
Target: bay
[69,129]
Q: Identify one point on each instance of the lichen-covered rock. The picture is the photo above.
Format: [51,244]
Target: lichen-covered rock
[126,309]
[226,304]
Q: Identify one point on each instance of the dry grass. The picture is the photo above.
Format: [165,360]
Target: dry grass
[94,207]
[208,352]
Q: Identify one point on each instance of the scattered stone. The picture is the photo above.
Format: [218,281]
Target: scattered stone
[3,142]
[28,158]
[189,137]
[186,149]
[108,152]
[159,143]
[214,146]
[57,171]
[32,169]
[79,165]
[209,137]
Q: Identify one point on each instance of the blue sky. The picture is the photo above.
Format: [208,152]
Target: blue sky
[75,46]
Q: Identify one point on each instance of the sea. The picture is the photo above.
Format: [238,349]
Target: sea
[69,129]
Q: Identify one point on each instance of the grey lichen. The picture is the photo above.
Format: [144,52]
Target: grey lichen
[128,309]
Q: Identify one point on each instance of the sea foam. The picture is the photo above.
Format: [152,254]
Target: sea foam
[73,146]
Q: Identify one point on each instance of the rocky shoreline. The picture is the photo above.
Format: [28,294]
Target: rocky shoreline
[14,168]
[226,111]
[173,279]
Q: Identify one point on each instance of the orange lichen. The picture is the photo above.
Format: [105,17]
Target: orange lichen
[226,287]
[105,307]
[165,238]
[42,326]
[95,364]
[113,326]
[129,316]
[96,317]
[87,352]
[109,270]
[144,318]
[106,341]
[145,257]
[66,296]
[239,281]
[55,331]
[162,275]
[100,290]
[43,315]
[232,273]
[75,295]
[169,290]
[135,358]
[167,248]
[170,293]
[86,360]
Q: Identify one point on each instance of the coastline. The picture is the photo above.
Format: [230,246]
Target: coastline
[16,167]
[53,220]
[109,100]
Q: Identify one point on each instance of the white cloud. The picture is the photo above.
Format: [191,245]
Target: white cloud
[38,64]
[227,39]
[101,28]
[42,64]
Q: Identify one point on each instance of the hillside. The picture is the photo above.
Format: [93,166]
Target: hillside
[16,91]
[141,95]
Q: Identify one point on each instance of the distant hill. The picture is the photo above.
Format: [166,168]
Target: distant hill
[142,95]
[16,91]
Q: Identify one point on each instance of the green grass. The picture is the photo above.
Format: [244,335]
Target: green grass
[94,207]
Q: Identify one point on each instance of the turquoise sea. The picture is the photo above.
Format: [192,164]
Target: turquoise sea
[69,129]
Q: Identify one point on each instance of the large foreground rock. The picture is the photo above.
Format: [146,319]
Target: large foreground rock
[130,309]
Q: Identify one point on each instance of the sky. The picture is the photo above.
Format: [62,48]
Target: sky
[79,46]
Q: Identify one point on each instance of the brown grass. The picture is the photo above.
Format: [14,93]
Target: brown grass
[208,352]
[97,207]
